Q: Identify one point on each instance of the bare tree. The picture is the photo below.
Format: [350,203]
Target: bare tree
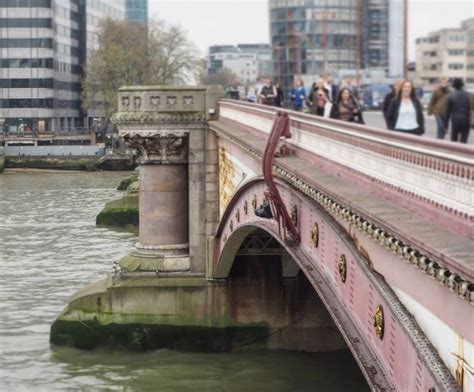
[224,77]
[130,54]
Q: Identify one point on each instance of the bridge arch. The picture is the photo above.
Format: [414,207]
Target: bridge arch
[382,335]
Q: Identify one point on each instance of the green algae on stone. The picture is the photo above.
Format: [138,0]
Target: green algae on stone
[120,213]
[126,182]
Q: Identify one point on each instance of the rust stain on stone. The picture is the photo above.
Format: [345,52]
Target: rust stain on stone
[360,248]
[226,176]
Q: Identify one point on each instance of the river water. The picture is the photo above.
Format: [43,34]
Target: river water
[50,247]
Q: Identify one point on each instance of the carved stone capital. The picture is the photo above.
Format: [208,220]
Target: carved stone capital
[159,147]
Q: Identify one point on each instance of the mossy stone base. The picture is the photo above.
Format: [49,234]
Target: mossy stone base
[120,213]
[126,182]
[90,334]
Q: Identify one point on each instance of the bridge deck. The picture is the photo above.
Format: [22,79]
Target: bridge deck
[454,251]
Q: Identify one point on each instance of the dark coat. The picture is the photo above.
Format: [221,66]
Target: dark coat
[386,102]
[356,117]
[394,109]
[458,109]
[279,97]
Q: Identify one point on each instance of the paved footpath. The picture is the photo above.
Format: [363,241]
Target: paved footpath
[376,120]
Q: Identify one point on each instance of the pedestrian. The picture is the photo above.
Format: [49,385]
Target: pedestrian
[267,93]
[279,98]
[298,95]
[405,113]
[345,108]
[437,105]
[353,89]
[318,99]
[331,87]
[458,110]
[389,97]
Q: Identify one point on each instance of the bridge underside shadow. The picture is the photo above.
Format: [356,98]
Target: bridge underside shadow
[266,286]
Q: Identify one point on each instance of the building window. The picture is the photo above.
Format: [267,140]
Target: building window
[26,43]
[456,66]
[26,63]
[25,3]
[456,38]
[455,52]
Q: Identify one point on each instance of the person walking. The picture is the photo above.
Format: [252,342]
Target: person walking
[405,113]
[458,110]
[389,97]
[318,99]
[267,93]
[279,98]
[352,88]
[331,87]
[345,108]
[437,106]
[298,95]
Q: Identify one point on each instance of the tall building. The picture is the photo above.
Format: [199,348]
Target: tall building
[43,45]
[313,37]
[137,10]
[247,61]
[447,53]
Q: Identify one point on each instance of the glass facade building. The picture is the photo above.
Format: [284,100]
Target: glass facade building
[313,37]
[43,45]
[137,10]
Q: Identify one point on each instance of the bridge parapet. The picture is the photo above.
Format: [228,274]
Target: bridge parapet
[422,169]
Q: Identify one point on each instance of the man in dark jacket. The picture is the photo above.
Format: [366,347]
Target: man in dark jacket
[389,98]
[458,110]
[437,105]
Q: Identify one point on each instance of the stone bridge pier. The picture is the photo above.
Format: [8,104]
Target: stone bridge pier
[167,127]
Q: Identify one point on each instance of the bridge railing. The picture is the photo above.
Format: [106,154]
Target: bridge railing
[436,172]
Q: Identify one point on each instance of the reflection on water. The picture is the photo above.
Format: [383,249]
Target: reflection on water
[50,247]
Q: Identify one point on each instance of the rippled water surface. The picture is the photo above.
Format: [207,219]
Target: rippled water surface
[50,247]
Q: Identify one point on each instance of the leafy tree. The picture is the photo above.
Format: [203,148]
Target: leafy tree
[132,54]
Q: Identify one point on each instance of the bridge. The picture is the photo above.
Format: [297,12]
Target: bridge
[329,234]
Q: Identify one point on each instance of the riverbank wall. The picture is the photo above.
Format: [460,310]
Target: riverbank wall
[50,162]
[68,162]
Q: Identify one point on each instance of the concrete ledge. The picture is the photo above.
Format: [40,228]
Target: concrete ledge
[186,312]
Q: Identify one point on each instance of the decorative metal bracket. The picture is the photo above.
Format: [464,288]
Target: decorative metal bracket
[281,128]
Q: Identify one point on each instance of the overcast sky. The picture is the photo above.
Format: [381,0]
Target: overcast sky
[217,22]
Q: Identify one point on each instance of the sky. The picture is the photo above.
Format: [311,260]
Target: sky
[219,22]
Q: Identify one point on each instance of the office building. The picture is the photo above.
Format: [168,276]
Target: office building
[43,45]
[447,53]
[247,61]
[311,38]
[137,11]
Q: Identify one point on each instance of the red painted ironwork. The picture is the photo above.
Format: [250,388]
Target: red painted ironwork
[281,128]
